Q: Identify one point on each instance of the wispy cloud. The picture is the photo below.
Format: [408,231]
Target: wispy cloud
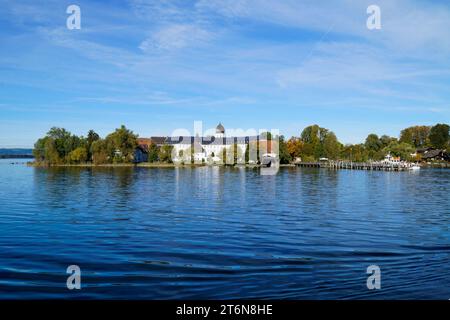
[357,67]
[161,99]
[176,36]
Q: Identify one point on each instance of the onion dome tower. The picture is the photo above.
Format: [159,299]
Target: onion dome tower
[220,131]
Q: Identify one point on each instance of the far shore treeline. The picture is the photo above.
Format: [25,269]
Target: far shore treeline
[59,146]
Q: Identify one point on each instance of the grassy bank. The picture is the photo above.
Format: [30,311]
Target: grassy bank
[140,165]
[112,165]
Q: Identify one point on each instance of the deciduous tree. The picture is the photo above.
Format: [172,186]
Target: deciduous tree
[440,136]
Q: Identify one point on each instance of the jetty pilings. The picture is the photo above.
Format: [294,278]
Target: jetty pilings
[350,165]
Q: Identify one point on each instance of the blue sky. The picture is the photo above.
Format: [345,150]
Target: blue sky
[157,66]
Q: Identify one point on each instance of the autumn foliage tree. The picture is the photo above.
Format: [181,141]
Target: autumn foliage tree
[295,147]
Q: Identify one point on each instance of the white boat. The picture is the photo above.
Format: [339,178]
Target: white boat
[270,164]
[396,161]
[270,160]
[391,160]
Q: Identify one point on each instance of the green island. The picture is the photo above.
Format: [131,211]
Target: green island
[428,145]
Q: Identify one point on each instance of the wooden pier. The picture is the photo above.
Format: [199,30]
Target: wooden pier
[376,166]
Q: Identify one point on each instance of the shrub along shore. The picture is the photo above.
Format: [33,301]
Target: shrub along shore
[59,147]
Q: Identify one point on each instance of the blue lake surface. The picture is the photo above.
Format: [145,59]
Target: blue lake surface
[223,233]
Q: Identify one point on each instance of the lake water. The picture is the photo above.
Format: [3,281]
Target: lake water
[223,233]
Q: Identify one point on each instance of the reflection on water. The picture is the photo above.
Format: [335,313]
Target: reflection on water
[223,233]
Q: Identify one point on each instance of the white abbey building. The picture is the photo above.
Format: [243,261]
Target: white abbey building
[210,149]
[207,149]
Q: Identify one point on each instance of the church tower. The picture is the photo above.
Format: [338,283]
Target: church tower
[220,131]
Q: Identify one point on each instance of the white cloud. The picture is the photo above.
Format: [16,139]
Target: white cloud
[159,10]
[176,36]
[407,25]
[365,70]
[336,65]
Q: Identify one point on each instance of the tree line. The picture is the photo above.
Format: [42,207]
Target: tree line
[59,146]
[316,142]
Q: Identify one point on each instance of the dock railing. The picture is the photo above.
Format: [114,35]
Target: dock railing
[371,165]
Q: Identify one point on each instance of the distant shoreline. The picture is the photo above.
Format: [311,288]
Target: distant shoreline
[15,156]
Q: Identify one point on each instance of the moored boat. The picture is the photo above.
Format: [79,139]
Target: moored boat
[270,160]
[270,164]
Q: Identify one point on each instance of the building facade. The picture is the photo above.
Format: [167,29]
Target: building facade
[208,149]
[215,149]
